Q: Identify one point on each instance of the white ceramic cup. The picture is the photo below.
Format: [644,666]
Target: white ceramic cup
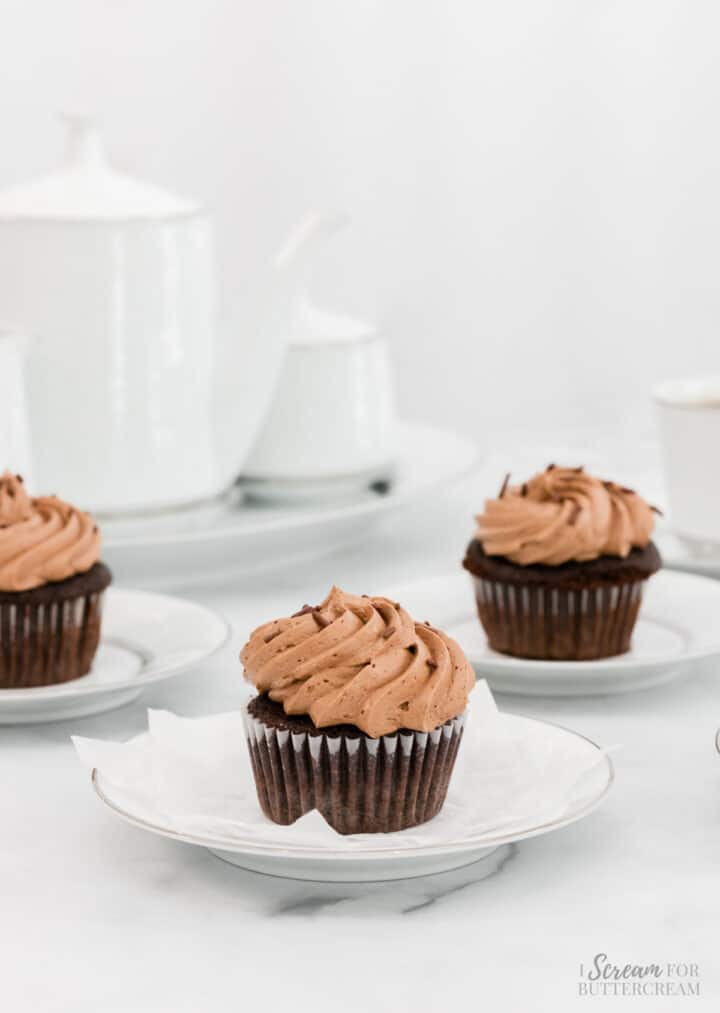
[331,423]
[689,418]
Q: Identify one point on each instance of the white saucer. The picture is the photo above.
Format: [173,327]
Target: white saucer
[679,554]
[678,625]
[225,536]
[274,850]
[146,637]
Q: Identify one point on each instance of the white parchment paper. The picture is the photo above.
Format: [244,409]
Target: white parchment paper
[193,776]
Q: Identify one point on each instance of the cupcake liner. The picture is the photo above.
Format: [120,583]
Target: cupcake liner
[360,785]
[564,624]
[44,643]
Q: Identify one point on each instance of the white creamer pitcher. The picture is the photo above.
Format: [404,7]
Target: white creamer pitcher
[330,428]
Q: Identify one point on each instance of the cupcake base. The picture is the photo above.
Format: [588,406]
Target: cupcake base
[572,612]
[50,634]
[359,784]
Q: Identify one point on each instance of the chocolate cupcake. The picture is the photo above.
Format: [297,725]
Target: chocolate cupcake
[559,566]
[360,714]
[51,586]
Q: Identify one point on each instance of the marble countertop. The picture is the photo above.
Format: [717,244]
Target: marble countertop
[96,915]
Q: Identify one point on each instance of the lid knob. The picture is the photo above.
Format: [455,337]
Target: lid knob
[83,143]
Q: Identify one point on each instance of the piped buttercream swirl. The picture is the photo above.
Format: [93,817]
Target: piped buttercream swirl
[42,539]
[564,514]
[360,661]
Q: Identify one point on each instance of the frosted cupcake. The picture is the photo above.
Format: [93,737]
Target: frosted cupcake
[51,586]
[559,566]
[360,714]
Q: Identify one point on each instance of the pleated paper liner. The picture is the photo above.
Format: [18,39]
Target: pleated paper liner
[562,624]
[50,634]
[359,784]
[42,645]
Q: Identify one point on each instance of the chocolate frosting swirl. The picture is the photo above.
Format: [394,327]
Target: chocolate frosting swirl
[42,539]
[563,514]
[360,661]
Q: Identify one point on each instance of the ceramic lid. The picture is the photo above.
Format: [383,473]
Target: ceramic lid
[87,188]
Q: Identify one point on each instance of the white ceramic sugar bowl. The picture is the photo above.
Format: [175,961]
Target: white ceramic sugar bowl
[112,282]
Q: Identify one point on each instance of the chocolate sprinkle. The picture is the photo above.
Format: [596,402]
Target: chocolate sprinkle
[271,636]
[432,665]
[503,487]
[657,510]
[321,620]
[575,513]
[550,467]
[524,489]
[304,611]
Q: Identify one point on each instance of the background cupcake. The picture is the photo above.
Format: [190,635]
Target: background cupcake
[559,564]
[51,584]
[360,714]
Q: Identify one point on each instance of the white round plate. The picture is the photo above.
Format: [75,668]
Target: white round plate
[387,856]
[146,637]
[678,625]
[223,537]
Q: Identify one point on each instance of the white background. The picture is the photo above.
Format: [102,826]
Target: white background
[532,184]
